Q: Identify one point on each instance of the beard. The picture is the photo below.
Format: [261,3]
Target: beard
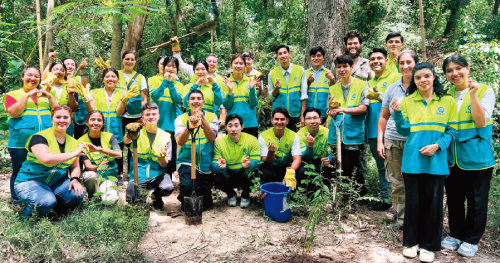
[355,55]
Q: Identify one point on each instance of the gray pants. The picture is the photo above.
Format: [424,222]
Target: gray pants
[393,160]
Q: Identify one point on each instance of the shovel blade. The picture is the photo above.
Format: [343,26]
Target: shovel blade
[193,208]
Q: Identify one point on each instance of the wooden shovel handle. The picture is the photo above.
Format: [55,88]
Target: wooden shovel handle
[153,49]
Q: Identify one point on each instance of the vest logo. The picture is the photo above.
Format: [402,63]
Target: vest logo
[384,85]
[245,151]
[325,81]
[295,79]
[468,109]
[440,111]
[353,96]
[286,145]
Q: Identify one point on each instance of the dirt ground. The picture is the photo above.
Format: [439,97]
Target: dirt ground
[232,234]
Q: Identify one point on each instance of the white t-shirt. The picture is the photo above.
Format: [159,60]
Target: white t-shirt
[295,146]
[58,90]
[144,85]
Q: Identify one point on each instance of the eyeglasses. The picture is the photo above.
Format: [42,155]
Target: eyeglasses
[312,119]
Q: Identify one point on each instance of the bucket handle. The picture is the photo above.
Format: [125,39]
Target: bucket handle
[262,196]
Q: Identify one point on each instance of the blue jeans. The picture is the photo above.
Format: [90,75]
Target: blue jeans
[40,197]
[18,156]
[385,186]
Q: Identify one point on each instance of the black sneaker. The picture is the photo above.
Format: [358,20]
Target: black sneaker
[120,181]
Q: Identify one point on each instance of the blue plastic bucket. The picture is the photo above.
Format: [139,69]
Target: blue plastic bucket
[274,196]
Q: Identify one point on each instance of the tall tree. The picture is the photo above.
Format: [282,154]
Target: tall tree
[49,36]
[235,23]
[116,42]
[495,7]
[327,23]
[453,20]
[173,18]
[135,28]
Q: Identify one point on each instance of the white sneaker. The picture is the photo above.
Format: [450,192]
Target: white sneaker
[410,252]
[245,202]
[231,201]
[426,255]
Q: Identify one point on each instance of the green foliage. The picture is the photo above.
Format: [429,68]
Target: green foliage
[94,233]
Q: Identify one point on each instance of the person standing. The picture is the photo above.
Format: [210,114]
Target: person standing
[353,46]
[394,43]
[390,143]
[377,87]
[429,118]
[212,95]
[251,72]
[319,79]
[241,97]
[471,158]
[350,92]
[29,113]
[288,87]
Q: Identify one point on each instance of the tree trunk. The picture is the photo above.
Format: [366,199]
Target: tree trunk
[133,36]
[49,36]
[233,33]
[39,30]
[454,18]
[215,11]
[173,18]
[327,23]
[495,7]
[116,42]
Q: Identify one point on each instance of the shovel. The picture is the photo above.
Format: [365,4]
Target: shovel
[339,156]
[133,132]
[193,206]
[198,30]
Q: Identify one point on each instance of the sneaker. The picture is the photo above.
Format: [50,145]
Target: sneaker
[426,255]
[467,249]
[120,181]
[245,202]
[450,243]
[410,252]
[231,201]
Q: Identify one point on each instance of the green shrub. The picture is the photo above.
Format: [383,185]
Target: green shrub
[92,233]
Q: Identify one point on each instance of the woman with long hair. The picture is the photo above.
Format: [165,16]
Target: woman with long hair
[471,158]
[206,84]
[429,118]
[29,112]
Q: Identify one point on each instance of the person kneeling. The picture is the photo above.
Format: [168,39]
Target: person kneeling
[42,182]
[235,156]
[100,163]
[280,151]
[154,151]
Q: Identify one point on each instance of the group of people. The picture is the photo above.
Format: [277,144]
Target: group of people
[424,139]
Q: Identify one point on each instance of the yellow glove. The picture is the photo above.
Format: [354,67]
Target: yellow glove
[131,93]
[374,94]
[49,80]
[161,153]
[289,179]
[176,47]
[82,91]
[334,103]
[99,62]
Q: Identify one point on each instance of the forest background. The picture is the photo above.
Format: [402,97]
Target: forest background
[91,28]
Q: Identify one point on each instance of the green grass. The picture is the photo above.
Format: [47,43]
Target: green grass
[92,233]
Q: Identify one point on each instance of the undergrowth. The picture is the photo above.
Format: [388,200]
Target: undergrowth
[92,233]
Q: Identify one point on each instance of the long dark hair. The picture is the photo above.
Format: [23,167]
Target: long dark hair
[437,88]
[88,117]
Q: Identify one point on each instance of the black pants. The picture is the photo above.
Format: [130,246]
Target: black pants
[292,123]
[473,186]
[119,161]
[229,180]
[171,164]
[423,222]
[252,131]
[204,183]
[350,168]
[160,185]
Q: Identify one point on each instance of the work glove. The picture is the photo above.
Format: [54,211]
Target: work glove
[133,129]
[161,153]
[176,47]
[131,93]
[49,81]
[374,94]
[99,62]
[83,91]
[289,179]
[333,103]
